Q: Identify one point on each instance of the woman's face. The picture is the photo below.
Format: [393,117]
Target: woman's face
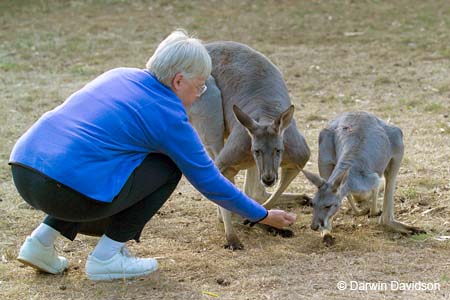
[188,90]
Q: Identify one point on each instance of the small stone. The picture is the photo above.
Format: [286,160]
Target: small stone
[223,282]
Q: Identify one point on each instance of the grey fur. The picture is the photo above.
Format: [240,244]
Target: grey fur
[355,151]
[245,83]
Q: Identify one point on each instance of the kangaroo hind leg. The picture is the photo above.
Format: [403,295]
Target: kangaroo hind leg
[387,216]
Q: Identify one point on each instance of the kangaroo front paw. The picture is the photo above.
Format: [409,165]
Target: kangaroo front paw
[375,214]
[358,212]
[305,200]
[284,233]
[328,240]
[361,212]
[233,244]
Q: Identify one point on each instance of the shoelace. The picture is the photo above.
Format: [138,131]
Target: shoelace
[126,252]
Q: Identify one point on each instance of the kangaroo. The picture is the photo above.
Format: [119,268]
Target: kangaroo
[355,150]
[245,120]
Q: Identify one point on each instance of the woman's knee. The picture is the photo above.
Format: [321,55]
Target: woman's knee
[31,187]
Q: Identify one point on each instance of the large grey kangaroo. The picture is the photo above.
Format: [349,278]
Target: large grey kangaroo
[245,119]
[355,150]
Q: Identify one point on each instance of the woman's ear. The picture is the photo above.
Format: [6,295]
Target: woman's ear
[177,81]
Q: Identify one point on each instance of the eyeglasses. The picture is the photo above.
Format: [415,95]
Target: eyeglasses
[201,89]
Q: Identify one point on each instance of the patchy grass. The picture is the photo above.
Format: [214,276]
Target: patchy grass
[435,108]
[444,87]
[382,80]
[315,118]
[421,237]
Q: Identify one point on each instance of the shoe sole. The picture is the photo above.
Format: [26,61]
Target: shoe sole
[42,268]
[114,276]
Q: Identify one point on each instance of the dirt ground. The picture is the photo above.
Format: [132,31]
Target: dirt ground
[388,57]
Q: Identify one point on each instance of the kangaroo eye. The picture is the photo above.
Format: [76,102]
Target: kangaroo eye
[278,151]
[327,206]
[258,152]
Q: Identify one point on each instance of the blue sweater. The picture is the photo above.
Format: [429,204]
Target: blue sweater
[101,133]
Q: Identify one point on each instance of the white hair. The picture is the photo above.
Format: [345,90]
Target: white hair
[179,53]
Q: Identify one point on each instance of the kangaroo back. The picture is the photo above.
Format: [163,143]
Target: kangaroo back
[246,78]
[361,142]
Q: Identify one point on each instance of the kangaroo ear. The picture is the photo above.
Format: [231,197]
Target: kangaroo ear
[339,180]
[245,119]
[314,179]
[283,121]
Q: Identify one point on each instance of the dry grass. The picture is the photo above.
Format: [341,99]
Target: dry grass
[388,57]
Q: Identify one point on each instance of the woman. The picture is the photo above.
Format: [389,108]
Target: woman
[115,150]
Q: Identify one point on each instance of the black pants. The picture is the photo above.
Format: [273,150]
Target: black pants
[70,212]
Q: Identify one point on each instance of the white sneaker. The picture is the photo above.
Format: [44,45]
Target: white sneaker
[120,266]
[44,258]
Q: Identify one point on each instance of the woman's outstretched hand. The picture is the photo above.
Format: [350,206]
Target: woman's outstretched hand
[279,218]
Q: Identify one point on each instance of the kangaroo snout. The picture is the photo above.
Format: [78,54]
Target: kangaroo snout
[317,223]
[314,226]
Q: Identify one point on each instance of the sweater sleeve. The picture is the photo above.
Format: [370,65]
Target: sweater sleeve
[181,143]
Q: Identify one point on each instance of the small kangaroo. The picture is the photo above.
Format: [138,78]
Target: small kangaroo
[245,120]
[355,150]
